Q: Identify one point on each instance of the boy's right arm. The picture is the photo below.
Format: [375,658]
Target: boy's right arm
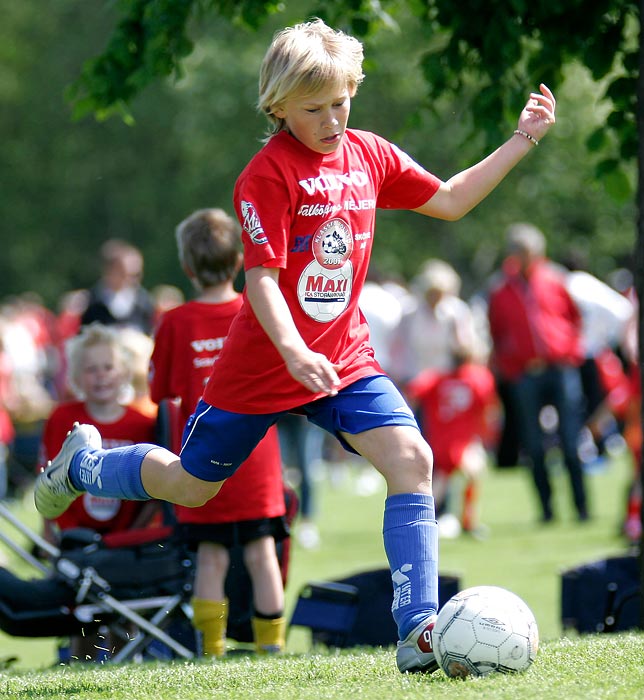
[312,369]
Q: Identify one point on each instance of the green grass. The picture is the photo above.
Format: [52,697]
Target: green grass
[594,668]
[518,554]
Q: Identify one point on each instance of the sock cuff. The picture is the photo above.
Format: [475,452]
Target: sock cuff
[142,448]
[275,616]
[128,472]
[405,508]
[270,635]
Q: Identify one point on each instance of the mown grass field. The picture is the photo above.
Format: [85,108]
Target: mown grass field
[518,554]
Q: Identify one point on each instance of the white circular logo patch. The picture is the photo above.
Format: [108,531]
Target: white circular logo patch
[333,244]
[101,509]
[325,293]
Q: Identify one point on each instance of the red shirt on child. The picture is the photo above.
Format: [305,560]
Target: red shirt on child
[454,410]
[100,514]
[188,342]
[313,216]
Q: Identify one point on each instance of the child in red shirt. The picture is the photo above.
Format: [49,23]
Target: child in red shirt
[307,203]
[457,411]
[98,374]
[249,508]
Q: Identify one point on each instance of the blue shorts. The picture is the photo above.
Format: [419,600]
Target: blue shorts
[216,442]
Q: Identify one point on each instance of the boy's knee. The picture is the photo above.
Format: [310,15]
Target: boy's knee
[193,493]
[422,456]
[190,500]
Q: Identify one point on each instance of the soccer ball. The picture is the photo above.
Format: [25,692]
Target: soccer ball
[485,629]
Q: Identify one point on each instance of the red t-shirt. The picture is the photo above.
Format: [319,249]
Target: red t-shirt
[187,342]
[454,407]
[312,216]
[100,514]
[187,345]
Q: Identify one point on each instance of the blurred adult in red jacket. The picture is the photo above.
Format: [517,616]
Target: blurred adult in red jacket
[537,350]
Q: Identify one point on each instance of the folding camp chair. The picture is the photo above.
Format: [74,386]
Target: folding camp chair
[138,584]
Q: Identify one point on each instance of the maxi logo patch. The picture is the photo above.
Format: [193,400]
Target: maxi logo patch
[324,294]
[251,223]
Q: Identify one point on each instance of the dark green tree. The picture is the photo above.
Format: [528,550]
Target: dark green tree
[523,43]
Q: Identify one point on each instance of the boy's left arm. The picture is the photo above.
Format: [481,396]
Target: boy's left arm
[466,189]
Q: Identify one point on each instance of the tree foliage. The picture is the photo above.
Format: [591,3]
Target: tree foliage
[497,46]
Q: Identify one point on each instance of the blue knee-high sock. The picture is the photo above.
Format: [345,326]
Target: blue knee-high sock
[114,473]
[410,536]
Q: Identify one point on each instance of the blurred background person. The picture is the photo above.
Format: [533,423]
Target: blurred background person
[7,430]
[383,310]
[140,346]
[165,298]
[457,408]
[605,315]
[119,298]
[426,332]
[98,366]
[30,366]
[536,331]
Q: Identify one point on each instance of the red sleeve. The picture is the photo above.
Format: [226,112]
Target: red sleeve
[263,205]
[160,363]
[406,185]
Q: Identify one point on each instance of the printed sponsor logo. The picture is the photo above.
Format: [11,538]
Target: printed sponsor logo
[333,244]
[402,587]
[326,183]
[319,209]
[251,224]
[302,244]
[359,205]
[101,509]
[324,294]
[208,344]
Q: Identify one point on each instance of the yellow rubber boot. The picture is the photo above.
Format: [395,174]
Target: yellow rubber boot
[270,635]
[210,617]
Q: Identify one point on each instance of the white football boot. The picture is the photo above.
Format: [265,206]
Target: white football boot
[53,492]
[416,653]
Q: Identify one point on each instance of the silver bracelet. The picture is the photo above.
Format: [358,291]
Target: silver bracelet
[527,136]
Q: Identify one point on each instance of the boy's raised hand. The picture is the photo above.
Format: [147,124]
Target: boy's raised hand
[539,113]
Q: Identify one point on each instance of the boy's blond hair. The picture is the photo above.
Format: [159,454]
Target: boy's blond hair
[209,246]
[304,59]
[90,336]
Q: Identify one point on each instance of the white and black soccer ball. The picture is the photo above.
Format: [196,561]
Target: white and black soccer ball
[485,629]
